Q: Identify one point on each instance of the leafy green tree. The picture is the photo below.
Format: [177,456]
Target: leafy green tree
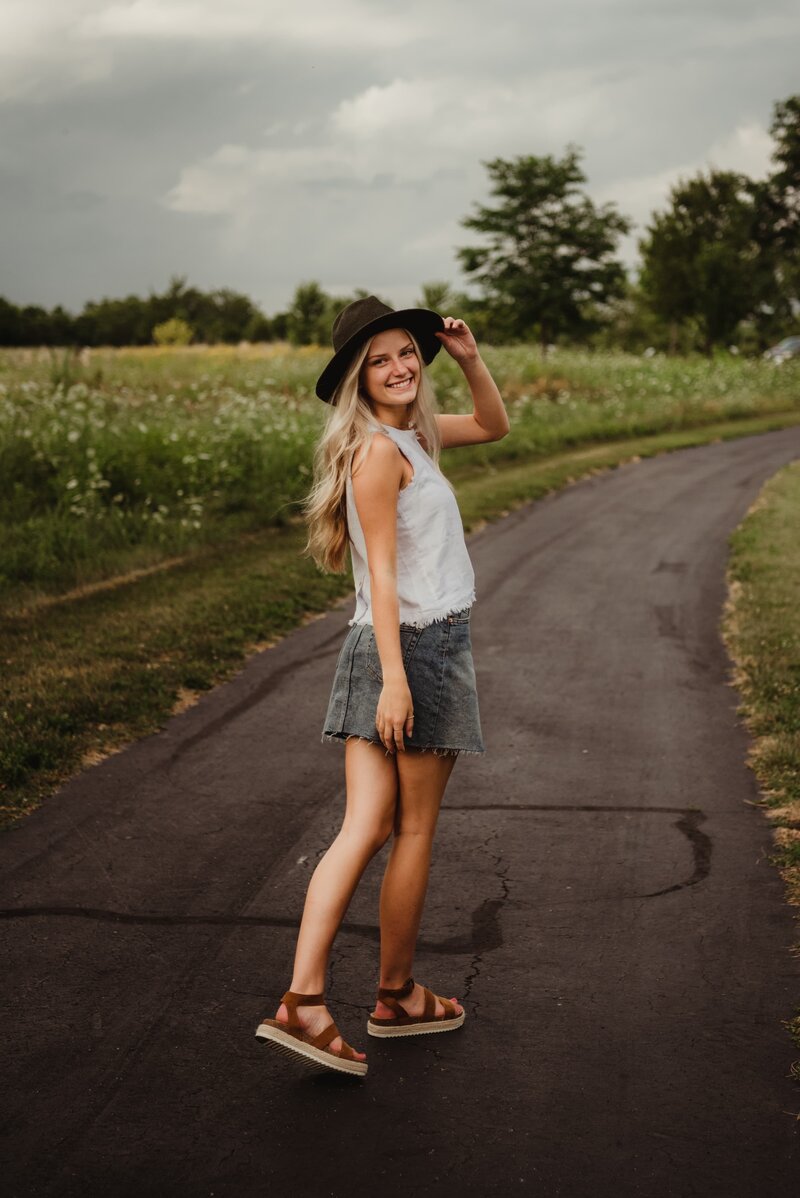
[280,326]
[222,315]
[725,256]
[308,314]
[701,258]
[785,130]
[630,324]
[259,328]
[437,296]
[778,229]
[550,255]
[10,323]
[173,332]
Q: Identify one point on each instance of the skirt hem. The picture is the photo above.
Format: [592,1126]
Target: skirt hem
[437,750]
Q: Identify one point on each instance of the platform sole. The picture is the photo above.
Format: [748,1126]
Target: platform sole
[415,1029]
[312,1058]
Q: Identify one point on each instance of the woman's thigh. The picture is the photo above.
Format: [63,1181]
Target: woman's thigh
[423,778]
[372,788]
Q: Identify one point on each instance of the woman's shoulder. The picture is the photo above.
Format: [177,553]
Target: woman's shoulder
[378,449]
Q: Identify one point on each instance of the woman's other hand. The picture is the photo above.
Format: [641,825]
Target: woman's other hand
[458,340]
[395,715]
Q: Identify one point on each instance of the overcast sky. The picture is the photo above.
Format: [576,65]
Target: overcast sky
[255,144]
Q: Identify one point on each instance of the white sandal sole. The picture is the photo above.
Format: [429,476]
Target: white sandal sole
[415,1029]
[313,1058]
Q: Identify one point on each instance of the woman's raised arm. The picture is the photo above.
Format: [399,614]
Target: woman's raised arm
[489,419]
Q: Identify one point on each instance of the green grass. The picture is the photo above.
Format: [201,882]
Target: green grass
[762,632]
[87,673]
[130,457]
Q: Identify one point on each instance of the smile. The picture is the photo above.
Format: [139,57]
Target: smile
[401,385]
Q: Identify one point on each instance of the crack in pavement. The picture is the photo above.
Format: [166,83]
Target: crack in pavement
[688,824]
[485,934]
[486,923]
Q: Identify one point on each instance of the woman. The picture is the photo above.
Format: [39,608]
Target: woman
[403,699]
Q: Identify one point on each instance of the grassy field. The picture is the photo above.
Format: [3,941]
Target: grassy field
[121,459]
[762,632]
[115,613]
[762,629]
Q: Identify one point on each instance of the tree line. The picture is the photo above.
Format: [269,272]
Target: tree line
[720,265]
[212,317]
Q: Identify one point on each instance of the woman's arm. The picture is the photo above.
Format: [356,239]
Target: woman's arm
[376,484]
[489,419]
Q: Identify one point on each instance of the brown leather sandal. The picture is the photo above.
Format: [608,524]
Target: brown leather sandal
[291,1039]
[403,1024]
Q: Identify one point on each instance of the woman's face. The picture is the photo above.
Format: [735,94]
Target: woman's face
[391,370]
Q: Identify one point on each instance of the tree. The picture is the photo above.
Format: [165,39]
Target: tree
[785,130]
[726,253]
[173,332]
[778,227]
[11,327]
[701,257]
[550,258]
[437,296]
[222,315]
[631,325]
[307,315]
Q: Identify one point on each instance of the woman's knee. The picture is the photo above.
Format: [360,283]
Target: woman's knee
[370,838]
[421,829]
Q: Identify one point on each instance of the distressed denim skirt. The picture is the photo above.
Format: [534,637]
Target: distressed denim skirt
[441,678]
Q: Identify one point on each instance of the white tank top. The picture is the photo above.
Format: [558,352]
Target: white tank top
[434,572]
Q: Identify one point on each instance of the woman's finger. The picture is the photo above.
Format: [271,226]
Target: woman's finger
[383,726]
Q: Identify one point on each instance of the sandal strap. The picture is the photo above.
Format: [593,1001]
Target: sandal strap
[292,1000]
[327,1035]
[428,1010]
[402,992]
[303,1000]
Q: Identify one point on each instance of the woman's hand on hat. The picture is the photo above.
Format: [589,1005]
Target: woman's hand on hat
[458,340]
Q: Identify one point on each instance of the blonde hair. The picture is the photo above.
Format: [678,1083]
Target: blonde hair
[351,422]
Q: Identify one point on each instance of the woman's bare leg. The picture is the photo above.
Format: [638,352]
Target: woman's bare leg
[423,778]
[372,787]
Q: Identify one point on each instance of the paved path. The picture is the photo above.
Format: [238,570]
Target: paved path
[617,935]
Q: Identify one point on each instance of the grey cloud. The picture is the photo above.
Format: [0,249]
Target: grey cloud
[88,173]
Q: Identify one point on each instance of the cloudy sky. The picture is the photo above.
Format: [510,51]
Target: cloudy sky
[259,143]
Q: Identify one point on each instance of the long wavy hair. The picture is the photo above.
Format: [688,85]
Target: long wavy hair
[351,421]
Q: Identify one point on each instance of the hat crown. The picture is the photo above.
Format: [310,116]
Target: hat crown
[354,317]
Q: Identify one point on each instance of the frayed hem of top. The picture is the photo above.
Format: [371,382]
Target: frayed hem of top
[429,618]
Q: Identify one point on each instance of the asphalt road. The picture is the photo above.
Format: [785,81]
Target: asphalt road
[600,899]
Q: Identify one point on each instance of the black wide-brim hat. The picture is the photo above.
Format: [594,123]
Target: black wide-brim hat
[361,320]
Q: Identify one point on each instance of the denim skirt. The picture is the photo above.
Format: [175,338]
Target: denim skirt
[441,678]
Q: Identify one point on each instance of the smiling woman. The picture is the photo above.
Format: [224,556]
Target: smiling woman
[404,698]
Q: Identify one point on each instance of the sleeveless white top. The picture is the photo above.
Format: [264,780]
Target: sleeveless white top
[434,572]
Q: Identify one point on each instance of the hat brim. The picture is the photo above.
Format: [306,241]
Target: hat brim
[421,322]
